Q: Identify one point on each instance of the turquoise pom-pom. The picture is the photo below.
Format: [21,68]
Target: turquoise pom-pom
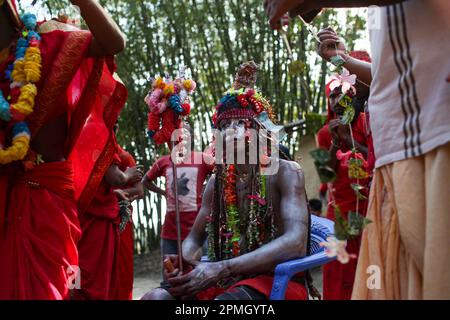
[29,20]
[21,48]
[20,127]
[5,114]
[33,34]
[175,103]
[150,134]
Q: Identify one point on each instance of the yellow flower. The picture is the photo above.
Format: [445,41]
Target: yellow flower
[25,103]
[169,90]
[17,151]
[188,85]
[32,64]
[159,83]
[18,74]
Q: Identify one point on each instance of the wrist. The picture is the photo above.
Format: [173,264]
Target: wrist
[225,269]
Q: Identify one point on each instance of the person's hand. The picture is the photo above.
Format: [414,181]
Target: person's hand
[333,126]
[330,44]
[343,132]
[122,195]
[276,9]
[134,174]
[203,276]
[172,268]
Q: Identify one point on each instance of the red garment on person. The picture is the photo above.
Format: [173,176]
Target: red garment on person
[41,230]
[262,284]
[38,246]
[338,278]
[99,245]
[191,177]
[126,251]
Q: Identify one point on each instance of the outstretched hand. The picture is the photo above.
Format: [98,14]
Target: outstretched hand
[330,44]
[276,9]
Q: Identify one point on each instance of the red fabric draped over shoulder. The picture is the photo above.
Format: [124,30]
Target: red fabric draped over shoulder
[39,243]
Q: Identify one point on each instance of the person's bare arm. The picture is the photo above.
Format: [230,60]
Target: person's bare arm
[275,9]
[107,39]
[118,178]
[192,245]
[332,45]
[292,244]
[132,193]
[150,185]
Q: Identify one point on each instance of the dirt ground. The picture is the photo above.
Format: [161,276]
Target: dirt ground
[147,274]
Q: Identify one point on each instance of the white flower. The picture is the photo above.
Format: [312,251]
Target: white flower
[336,248]
[346,80]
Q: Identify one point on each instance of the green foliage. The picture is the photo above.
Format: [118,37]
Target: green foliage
[314,121]
[350,228]
[321,161]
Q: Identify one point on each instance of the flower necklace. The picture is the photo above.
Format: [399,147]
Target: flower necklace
[230,224]
[23,74]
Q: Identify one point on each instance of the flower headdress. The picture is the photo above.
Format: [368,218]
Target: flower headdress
[242,101]
[168,100]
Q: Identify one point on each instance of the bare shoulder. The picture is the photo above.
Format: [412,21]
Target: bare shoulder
[289,170]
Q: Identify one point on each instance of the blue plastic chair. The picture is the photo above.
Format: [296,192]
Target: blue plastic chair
[321,228]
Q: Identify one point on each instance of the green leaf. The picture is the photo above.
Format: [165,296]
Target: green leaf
[320,155]
[340,225]
[321,160]
[356,223]
[357,188]
[348,116]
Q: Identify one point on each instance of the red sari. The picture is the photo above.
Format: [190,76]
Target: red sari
[41,230]
[338,278]
[106,255]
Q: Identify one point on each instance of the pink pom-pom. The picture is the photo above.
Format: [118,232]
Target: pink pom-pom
[161,107]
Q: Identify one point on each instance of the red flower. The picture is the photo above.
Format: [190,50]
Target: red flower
[242,100]
[186,109]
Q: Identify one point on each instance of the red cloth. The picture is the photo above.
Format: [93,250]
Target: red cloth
[82,88]
[99,245]
[106,256]
[191,177]
[126,251]
[42,230]
[338,278]
[262,284]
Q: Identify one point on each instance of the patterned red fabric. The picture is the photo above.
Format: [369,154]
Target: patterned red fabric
[262,284]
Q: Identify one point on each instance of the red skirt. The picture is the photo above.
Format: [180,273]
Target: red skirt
[38,246]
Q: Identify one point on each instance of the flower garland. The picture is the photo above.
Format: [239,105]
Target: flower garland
[23,73]
[352,226]
[230,225]
[167,102]
[232,234]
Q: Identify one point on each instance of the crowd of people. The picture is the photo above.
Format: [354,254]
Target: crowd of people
[66,186]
